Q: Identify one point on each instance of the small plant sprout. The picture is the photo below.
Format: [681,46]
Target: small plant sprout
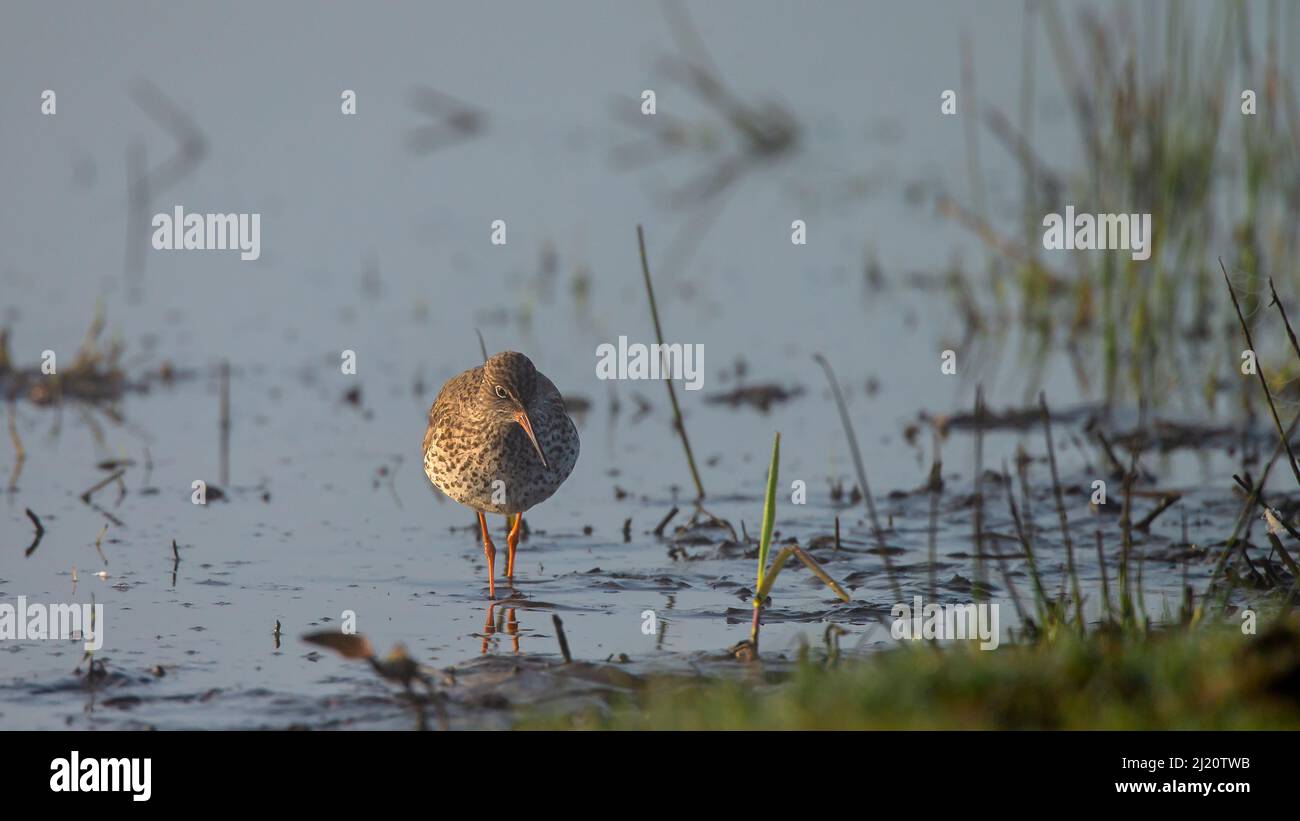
[767,575]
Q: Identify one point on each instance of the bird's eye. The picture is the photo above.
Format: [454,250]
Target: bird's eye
[501,392]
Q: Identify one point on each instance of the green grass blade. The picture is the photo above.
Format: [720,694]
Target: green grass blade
[817,571]
[769,578]
[769,511]
[783,556]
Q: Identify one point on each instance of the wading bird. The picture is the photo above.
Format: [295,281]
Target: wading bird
[500,441]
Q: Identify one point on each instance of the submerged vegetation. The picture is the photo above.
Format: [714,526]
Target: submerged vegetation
[94,382]
[1166,128]
[94,375]
[1153,124]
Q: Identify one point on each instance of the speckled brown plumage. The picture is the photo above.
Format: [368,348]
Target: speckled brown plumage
[474,440]
[499,441]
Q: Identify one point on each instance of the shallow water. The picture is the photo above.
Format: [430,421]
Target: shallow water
[369,247]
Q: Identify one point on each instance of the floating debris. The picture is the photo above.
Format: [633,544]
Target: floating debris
[40,532]
[760,397]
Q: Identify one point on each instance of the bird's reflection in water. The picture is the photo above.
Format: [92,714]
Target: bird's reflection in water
[503,621]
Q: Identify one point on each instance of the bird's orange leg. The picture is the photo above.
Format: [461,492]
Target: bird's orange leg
[512,541]
[490,551]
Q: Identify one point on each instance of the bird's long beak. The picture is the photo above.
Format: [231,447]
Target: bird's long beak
[524,422]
